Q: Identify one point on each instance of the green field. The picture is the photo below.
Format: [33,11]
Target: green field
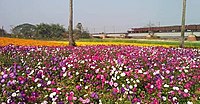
[188,44]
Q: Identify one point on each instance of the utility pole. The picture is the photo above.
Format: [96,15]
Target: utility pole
[70,28]
[114,29]
[104,29]
[2,31]
[183,24]
[94,30]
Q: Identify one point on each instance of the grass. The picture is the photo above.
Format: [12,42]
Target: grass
[189,44]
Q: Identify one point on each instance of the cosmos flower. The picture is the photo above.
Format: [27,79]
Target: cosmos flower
[90,74]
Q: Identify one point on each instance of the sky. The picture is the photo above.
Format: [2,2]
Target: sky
[98,15]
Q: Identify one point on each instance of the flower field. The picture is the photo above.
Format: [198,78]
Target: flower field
[99,74]
[30,42]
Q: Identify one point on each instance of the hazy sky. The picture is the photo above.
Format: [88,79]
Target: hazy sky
[98,15]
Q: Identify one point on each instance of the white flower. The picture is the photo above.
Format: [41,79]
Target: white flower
[123,85]
[131,87]
[175,88]
[31,72]
[130,92]
[156,72]
[63,68]
[54,103]
[81,80]
[14,94]
[135,85]
[37,79]
[69,65]
[39,85]
[59,88]
[115,84]
[46,79]
[139,71]
[186,90]
[49,82]
[138,103]
[114,78]
[134,81]
[54,99]
[186,71]
[164,98]
[92,67]
[9,101]
[174,98]
[116,72]
[86,87]
[52,94]
[151,86]
[189,102]
[166,85]
[118,77]
[77,73]
[85,95]
[100,102]
[138,81]
[122,74]
[145,73]
[120,68]
[2,73]
[131,79]
[162,77]
[65,74]
[44,102]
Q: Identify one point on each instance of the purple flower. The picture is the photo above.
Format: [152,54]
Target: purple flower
[94,95]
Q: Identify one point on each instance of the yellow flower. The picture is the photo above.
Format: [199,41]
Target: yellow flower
[31,42]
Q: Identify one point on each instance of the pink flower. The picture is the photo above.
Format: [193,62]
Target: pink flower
[159,84]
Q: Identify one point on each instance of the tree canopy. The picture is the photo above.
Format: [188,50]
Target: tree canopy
[24,30]
[47,31]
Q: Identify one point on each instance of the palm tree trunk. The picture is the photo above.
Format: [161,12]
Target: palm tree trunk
[70,28]
[183,24]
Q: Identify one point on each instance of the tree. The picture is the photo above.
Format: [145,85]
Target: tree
[183,24]
[79,27]
[57,30]
[2,32]
[79,32]
[50,30]
[24,30]
[44,30]
[70,28]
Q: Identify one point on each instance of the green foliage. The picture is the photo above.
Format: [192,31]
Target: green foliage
[40,31]
[188,44]
[79,32]
[24,30]
[3,32]
[50,30]
[47,31]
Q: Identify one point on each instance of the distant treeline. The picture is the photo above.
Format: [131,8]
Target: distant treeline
[44,31]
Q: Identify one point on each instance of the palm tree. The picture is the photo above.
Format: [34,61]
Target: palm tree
[183,24]
[70,28]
